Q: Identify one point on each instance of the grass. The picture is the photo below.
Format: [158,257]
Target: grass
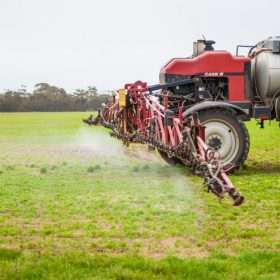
[82,266]
[77,204]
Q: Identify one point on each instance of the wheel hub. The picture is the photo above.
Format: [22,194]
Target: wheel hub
[222,138]
[215,142]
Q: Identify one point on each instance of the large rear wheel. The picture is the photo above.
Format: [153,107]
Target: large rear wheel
[227,134]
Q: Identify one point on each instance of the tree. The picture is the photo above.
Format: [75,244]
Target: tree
[92,91]
[46,97]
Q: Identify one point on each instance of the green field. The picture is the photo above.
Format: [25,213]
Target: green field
[77,204]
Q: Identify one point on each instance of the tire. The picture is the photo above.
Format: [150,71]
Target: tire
[228,135]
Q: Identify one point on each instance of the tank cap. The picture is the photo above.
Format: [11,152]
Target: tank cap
[208,45]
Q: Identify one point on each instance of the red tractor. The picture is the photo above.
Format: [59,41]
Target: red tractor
[195,115]
[227,90]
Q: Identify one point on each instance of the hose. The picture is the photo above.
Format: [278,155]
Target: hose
[276,94]
[277,111]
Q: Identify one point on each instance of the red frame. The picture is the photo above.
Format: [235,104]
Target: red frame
[148,108]
[135,120]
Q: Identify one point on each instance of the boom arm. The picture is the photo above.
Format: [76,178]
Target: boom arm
[143,115]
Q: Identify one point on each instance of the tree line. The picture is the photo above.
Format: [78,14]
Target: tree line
[50,98]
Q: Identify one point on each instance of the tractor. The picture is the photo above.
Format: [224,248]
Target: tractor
[195,115]
[226,90]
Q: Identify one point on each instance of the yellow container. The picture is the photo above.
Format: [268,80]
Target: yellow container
[122,97]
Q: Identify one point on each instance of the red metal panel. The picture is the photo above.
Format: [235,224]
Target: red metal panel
[221,63]
[216,61]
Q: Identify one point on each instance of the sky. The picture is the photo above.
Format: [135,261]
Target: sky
[106,43]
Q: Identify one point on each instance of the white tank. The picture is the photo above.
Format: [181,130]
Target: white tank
[266,69]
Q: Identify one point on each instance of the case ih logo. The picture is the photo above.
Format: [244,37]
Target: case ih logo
[213,74]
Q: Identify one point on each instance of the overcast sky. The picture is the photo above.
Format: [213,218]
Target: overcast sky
[106,43]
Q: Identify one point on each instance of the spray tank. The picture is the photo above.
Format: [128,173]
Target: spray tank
[266,71]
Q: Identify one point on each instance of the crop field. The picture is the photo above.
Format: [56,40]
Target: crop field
[77,204]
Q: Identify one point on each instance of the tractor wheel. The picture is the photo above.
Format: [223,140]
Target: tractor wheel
[170,160]
[227,134]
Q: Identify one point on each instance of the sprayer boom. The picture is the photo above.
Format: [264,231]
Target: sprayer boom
[158,118]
